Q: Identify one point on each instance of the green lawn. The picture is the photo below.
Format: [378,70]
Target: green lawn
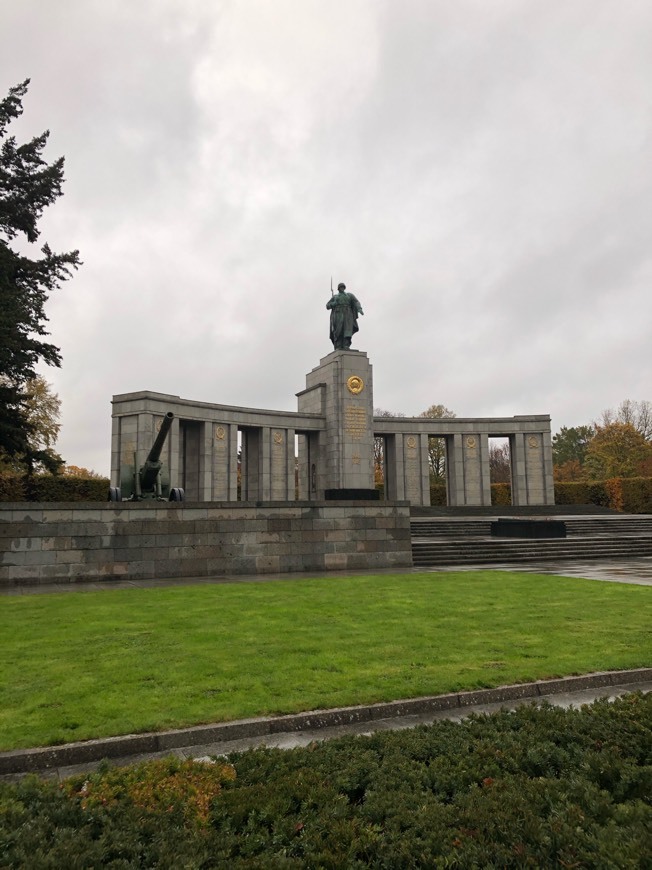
[81,665]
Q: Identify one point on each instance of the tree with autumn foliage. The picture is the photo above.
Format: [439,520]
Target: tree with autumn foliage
[80,472]
[569,447]
[617,450]
[28,184]
[41,409]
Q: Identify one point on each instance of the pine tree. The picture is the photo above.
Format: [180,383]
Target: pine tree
[27,185]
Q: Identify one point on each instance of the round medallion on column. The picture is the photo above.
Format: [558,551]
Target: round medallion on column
[355,385]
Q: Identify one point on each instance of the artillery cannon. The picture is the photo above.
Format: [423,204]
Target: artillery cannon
[151,480]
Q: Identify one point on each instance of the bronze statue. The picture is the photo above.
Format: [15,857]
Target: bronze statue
[344,308]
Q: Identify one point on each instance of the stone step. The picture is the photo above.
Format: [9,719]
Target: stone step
[512,510]
[499,550]
[596,526]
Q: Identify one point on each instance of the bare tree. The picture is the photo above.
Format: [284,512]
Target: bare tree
[636,414]
[500,469]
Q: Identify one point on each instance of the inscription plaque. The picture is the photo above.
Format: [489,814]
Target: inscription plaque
[355,421]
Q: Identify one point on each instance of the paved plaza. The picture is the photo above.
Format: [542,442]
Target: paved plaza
[637,571]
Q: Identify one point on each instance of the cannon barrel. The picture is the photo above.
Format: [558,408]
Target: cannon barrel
[155,453]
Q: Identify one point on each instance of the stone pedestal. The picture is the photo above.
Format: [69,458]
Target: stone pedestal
[341,389]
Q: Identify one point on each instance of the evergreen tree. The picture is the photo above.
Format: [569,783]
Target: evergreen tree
[27,185]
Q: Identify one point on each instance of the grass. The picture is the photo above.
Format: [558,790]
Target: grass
[82,665]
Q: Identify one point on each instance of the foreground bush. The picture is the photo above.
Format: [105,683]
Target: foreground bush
[540,787]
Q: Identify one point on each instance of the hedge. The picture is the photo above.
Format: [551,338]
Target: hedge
[501,493]
[633,495]
[46,487]
[12,487]
[535,787]
[438,494]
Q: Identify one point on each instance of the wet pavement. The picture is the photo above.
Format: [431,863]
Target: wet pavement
[636,570]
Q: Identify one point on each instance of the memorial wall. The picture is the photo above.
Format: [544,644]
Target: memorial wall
[326,448]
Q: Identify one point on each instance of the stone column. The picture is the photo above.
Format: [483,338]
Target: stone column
[175,453]
[205,461]
[394,467]
[145,436]
[519,470]
[455,470]
[115,451]
[279,455]
[264,467]
[232,493]
[533,472]
[415,469]
[290,463]
[467,469]
[304,467]
[225,459]
[425,470]
[548,477]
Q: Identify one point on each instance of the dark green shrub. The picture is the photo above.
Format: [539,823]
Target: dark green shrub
[437,494]
[598,493]
[637,494]
[629,494]
[12,487]
[47,487]
[572,492]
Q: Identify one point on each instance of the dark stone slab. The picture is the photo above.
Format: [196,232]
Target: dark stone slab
[515,528]
[352,495]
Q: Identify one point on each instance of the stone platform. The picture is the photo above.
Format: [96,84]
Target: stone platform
[54,542]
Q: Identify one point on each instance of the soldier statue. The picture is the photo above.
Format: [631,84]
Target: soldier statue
[344,309]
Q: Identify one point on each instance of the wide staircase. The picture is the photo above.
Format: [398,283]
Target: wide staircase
[466,539]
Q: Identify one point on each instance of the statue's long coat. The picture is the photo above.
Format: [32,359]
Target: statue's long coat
[344,309]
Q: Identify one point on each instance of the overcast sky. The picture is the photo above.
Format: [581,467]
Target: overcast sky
[478,172]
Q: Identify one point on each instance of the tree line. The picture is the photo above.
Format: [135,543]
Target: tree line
[618,444]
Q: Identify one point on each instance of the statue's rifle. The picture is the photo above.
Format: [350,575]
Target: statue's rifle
[332,292]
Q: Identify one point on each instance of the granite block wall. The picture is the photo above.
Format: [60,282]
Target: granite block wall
[55,543]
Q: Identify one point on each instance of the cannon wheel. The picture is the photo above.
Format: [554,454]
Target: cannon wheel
[177,494]
[114,494]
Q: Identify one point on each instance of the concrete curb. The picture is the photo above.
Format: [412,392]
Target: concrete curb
[40,759]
